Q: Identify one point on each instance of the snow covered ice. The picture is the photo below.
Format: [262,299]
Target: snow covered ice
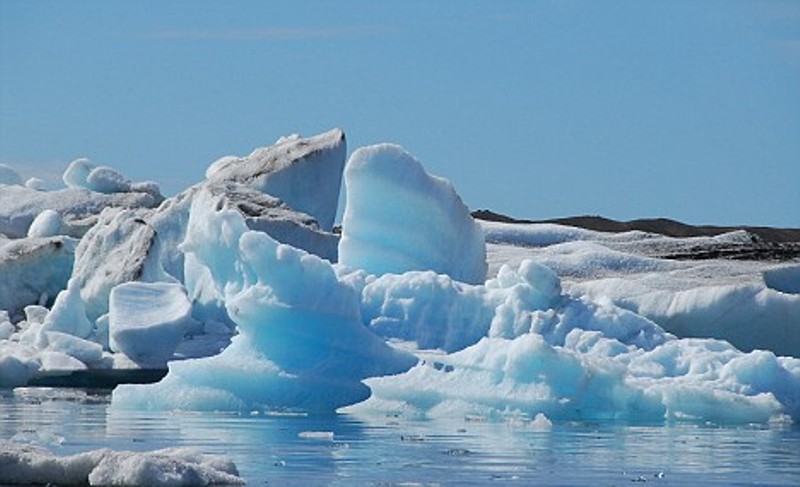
[29,465]
[239,286]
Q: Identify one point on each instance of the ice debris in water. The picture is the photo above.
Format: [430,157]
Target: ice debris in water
[26,464]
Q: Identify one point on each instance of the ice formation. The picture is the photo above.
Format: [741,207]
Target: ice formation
[399,218]
[32,465]
[303,172]
[33,271]
[82,174]
[79,208]
[301,344]
[146,322]
[426,313]
[749,303]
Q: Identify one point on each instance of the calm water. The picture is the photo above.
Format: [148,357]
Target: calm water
[348,450]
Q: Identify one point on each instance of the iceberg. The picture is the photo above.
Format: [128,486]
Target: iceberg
[399,218]
[147,321]
[239,288]
[300,344]
[746,302]
[79,208]
[102,179]
[33,271]
[305,173]
[142,244]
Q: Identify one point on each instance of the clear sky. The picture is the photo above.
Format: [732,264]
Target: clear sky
[539,109]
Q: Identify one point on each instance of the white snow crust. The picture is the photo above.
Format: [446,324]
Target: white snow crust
[24,464]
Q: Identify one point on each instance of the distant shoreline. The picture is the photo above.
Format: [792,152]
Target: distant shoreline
[778,244]
[661,226]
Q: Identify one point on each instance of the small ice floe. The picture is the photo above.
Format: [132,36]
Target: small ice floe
[28,464]
[316,435]
[42,438]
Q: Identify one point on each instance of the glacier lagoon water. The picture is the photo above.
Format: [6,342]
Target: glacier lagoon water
[354,450]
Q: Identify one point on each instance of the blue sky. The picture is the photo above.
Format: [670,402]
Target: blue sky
[539,109]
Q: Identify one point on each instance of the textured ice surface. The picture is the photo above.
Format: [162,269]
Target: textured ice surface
[33,271]
[570,325]
[147,321]
[78,208]
[83,174]
[305,173]
[26,465]
[748,303]
[47,224]
[301,344]
[399,218]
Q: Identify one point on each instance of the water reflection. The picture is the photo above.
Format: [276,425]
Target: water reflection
[385,450]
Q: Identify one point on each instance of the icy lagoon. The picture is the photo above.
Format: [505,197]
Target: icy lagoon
[349,449]
[416,344]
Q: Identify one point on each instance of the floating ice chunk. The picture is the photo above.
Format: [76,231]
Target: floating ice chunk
[59,362]
[541,423]
[82,174]
[28,464]
[147,321]
[35,313]
[68,314]
[78,207]
[316,435]
[9,176]
[683,380]
[435,311]
[106,180]
[750,316]
[399,218]
[18,363]
[35,184]
[305,173]
[86,351]
[114,251]
[430,309]
[6,327]
[301,344]
[77,173]
[47,224]
[33,271]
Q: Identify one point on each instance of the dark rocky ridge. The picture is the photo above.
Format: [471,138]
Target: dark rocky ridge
[767,243]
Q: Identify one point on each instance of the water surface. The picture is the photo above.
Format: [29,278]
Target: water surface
[389,450]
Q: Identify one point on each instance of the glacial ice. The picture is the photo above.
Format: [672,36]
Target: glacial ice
[748,303]
[305,173]
[147,321]
[78,208]
[33,465]
[82,174]
[399,218]
[33,271]
[46,224]
[301,344]
[426,313]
